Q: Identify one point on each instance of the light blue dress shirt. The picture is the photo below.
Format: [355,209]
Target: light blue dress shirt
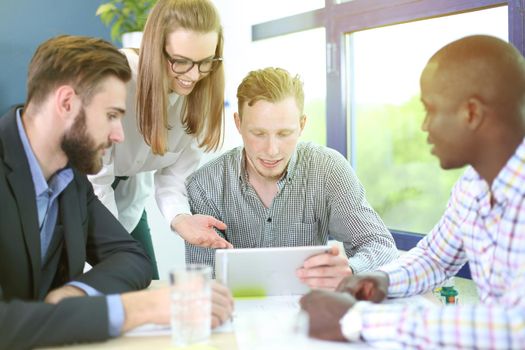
[47,206]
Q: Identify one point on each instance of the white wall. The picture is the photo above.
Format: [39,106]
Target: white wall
[169,247]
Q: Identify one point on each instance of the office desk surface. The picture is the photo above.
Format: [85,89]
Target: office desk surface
[218,341]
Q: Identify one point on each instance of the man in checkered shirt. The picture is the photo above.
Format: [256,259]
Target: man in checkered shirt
[473,91]
[276,192]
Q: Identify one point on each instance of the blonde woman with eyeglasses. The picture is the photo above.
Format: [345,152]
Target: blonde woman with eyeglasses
[175,111]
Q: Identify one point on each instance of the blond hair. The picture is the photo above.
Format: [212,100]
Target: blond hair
[80,61]
[203,109]
[272,85]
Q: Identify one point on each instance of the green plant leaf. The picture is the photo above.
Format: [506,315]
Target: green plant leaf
[107,17]
[124,15]
[107,7]
[115,30]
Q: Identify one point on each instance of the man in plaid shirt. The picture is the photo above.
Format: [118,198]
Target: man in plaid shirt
[473,91]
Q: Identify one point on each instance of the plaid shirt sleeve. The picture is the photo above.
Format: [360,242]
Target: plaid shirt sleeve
[497,323]
[437,256]
[352,220]
[430,326]
[452,327]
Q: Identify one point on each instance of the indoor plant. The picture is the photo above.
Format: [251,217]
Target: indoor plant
[124,16]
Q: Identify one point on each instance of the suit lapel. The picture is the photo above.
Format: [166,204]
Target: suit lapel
[74,240]
[25,199]
[23,189]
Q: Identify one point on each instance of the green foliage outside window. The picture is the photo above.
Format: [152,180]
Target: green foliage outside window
[403,180]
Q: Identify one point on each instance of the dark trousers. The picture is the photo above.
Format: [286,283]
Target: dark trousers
[141,233]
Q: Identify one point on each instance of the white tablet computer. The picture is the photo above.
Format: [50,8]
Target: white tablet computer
[252,272]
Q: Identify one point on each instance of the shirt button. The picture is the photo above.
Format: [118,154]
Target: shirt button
[269,220]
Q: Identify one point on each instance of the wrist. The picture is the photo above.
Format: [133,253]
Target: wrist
[177,220]
[136,310]
[146,306]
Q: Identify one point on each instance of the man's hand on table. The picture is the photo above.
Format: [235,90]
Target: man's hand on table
[371,286]
[325,309]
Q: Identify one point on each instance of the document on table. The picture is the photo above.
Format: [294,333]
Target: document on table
[153,330]
[149,330]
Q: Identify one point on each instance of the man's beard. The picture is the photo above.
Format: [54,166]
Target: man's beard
[80,147]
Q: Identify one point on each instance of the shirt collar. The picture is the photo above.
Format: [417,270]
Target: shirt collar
[36,172]
[58,181]
[511,179]
[241,166]
[292,165]
[508,183]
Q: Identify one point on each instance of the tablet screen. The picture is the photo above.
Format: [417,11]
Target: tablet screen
[256,272]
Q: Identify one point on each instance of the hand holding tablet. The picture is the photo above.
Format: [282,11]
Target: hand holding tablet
[325,271]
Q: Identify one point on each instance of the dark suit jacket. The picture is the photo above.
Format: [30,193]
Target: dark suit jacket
[86,231]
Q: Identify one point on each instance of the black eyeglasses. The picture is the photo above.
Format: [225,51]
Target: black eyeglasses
[183,65]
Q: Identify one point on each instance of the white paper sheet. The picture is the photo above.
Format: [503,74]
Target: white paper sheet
[149,330]
[153,330]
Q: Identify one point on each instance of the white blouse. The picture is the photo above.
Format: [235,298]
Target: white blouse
[133,158]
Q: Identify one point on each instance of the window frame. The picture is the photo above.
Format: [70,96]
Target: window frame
[340,19]
[345,18]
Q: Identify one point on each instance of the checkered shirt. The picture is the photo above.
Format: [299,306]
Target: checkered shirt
[319,195]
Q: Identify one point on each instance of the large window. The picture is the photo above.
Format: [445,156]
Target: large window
[375,51]
[403,180]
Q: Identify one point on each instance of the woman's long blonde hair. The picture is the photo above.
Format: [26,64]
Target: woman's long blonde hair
[203,109]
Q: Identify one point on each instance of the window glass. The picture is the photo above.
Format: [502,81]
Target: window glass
[404,182]
[300,53]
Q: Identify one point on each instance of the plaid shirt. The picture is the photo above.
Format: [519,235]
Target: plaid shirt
[319,195]
[492,240]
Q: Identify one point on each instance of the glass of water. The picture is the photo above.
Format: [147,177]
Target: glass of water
[190,304]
